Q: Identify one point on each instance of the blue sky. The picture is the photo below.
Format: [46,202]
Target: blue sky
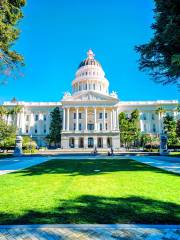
[56,35]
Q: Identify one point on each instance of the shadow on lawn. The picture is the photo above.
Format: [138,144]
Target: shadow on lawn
[88,167]
[95,209]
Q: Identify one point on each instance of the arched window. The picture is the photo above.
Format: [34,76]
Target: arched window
[94,86]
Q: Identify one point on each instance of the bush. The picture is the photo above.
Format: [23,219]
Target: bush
[29,145]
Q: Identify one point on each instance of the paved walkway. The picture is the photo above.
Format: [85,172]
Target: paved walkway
[90,232]
[170,164]
[9,165]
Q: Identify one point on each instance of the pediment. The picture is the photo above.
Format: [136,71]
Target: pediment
[91,96]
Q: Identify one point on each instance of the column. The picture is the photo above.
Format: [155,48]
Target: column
[115,124]
[67,119]
[85,119]
[113,120]
[104,125]
[117,119]
[64,119]
[95,123]
[77,119]
[111,127]
[149,122]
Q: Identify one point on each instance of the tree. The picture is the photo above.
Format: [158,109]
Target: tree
[178,129]
[3,112]
[129,128]
[55,127]
[10,60]
[14,112]
[160,111]
[170,130]
[7,134]
[161,55]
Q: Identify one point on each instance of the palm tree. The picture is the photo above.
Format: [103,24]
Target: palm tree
[160,111]
[3,112]
[178,108]
[14,112]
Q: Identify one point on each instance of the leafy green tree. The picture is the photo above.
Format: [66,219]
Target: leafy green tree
[10,60]
[7,134]
[170,130]
[55,127]
[178,129]
[129,128]
[161,55]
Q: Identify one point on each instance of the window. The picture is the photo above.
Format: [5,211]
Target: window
[80,126]
[154,128]
[80,115]
[44,128]
[144,116]
[27,117]
[106,115]
[74,126]
[35,130]
[153,116]
[86,73]
[44,117]
[86,86]
[27,129]
[100,126]
[36,117]
[106,126]
[145,128]
[94,86]
[74,115]
[90,126]
[100,115]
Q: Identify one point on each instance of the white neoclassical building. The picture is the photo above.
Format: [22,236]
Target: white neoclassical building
[90,113]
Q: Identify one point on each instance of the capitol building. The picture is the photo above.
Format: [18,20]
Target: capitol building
[90,112]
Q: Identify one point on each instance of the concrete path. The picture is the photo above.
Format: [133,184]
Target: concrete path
[9,165]
[90,232]
[170,164]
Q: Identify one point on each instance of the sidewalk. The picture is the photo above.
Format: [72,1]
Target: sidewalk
[163,162]
[90,232]
[9,165]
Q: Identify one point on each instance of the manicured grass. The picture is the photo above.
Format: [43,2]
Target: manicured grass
[74,191]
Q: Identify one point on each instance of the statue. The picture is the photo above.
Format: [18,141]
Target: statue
[163,144]
[18,147]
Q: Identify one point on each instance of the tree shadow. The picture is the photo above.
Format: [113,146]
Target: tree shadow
[101,210]
[88,167]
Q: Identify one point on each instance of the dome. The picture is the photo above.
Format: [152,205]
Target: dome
[89,60]
[90,76]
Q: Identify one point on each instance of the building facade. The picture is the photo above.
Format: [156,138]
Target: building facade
[90,112]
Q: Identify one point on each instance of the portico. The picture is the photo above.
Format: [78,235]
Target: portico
[86,119]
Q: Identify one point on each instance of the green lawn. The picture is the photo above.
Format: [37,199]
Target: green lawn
[69,191]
